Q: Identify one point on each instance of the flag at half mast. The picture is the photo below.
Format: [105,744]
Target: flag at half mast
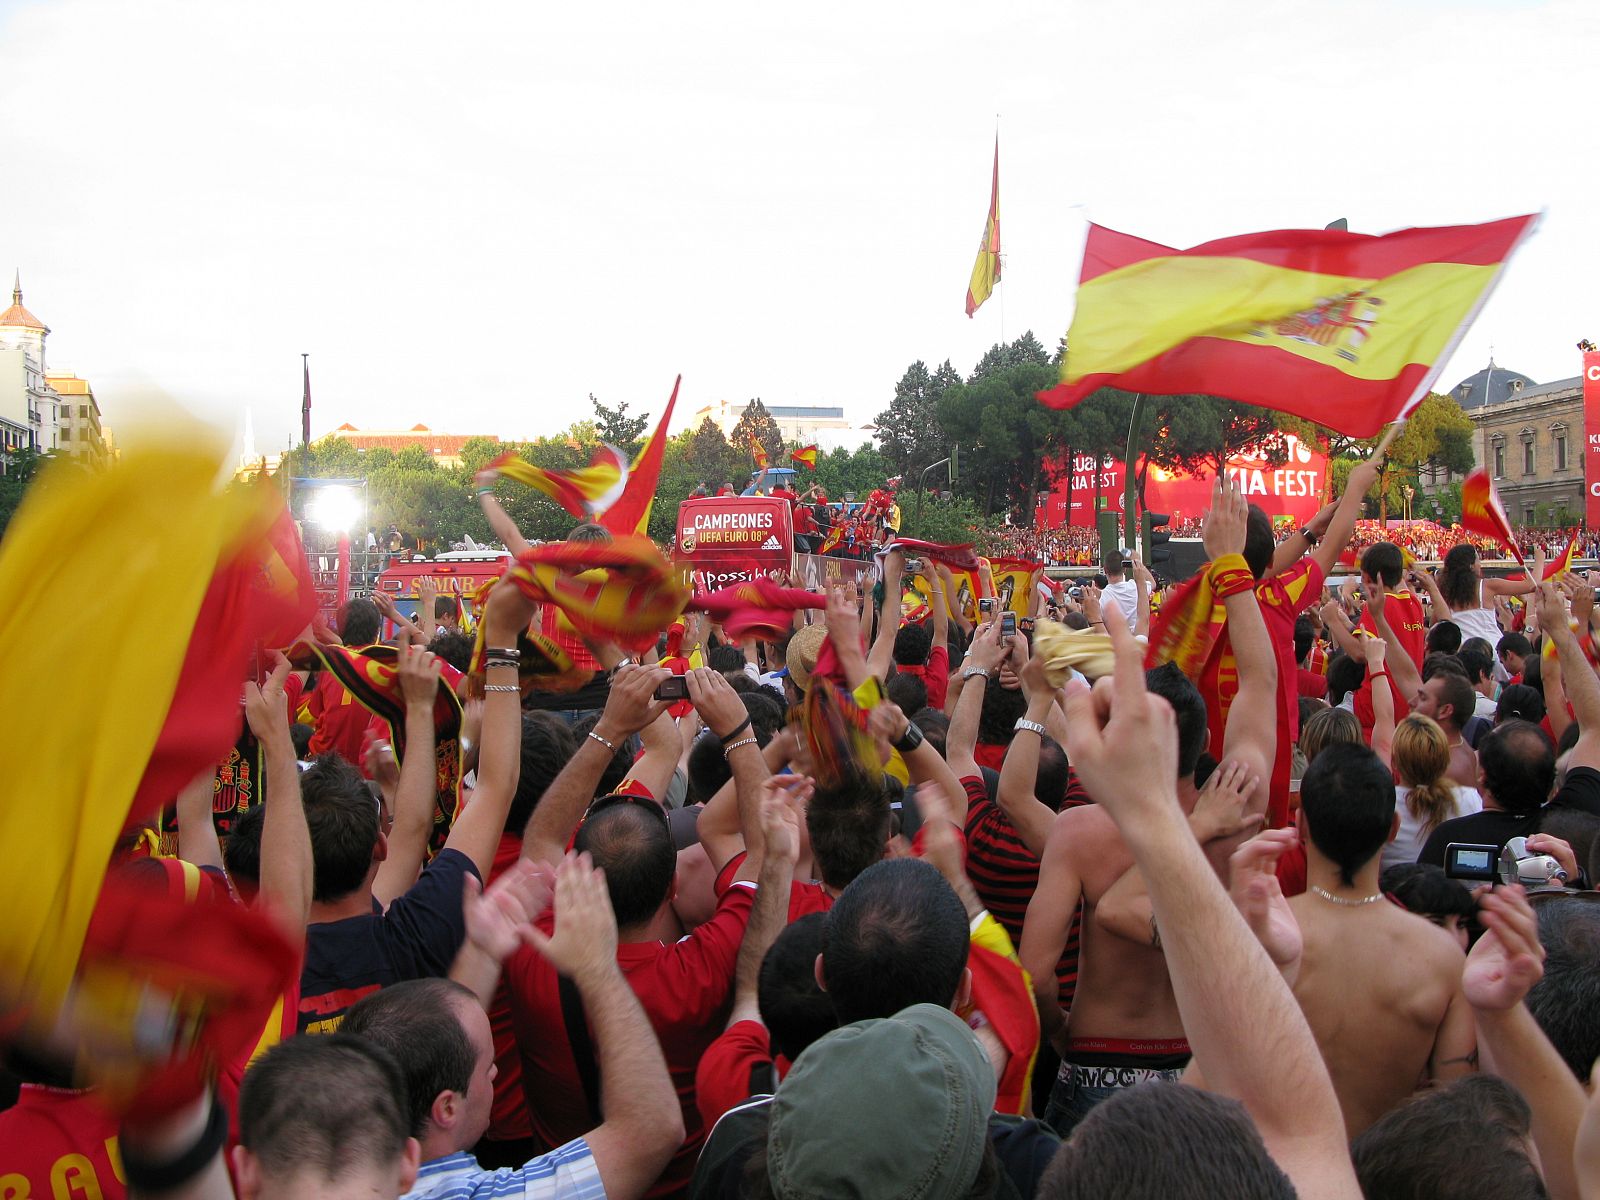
[986,271]
[1345,329]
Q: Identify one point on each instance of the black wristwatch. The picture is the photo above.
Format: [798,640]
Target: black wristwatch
[1306,533]
[910,740]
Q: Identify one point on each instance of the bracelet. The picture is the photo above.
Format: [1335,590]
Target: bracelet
[1030,726]
[148,1175]
[501,687]
[608,745]
[910,739]
[486,491]
[1306,533]
[725,738]
[501,662]
[1381,675]
[513,653]
[727,750]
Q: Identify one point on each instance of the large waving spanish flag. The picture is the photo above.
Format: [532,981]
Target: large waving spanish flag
[584,491]
[1482,512]
[1344,329]
[631,512]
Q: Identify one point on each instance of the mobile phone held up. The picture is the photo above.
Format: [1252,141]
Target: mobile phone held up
[1008,624]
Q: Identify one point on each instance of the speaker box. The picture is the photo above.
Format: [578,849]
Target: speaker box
[1188,556]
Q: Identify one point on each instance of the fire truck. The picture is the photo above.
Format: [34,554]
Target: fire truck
[457,572]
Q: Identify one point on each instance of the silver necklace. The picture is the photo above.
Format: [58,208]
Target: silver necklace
[1342,901]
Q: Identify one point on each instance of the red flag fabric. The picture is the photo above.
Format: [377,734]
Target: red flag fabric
[957,558]
[762,460]
[1345,329]
[806,456]
[631,512]
[1482,512]
[758,608]
[621,591]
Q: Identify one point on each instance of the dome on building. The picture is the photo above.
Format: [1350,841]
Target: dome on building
[17,317]
[1492,385]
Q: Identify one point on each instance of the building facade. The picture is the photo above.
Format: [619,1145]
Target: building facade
[29,408]
[81,433]
[1530,436]
[443,448]
[799,424]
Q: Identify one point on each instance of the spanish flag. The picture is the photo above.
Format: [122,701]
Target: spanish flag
[762,460]
[1344,329]
[582,492]
[806,456]
[986,271]
[1482,512]
[1563,562]
[631,512]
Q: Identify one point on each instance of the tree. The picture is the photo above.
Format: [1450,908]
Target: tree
[1197,435]
[21,469]
[1025,351]
[615,427]
[1004,434]
[415,458]
[950,520]
[909,428]
[756,425]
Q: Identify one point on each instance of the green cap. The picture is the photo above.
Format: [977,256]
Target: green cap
[887,1109]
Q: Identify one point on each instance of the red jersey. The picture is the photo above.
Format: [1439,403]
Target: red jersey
[935,676]
[739,1064]
[1282,599]
[1404,613]
[508,1117]
[805,896]
[59,1143]
[684,989]
[340,719]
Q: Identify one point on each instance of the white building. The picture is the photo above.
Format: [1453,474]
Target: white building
[799,424]
[30,413]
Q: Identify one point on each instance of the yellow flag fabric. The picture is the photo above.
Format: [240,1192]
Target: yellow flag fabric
[986,270]
[86,700]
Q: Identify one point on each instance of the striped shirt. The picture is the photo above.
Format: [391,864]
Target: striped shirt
[566,1173]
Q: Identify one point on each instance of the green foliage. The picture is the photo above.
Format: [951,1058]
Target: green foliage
[415,458]
[939,519]
[615,427]
[19,476]
[1197,435]
[757,425]
[909,429]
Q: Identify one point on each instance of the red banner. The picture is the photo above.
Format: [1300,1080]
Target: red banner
[1293,490]
[1591,440]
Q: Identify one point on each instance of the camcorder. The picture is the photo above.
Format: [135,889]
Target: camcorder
[676,688]
[1492,864]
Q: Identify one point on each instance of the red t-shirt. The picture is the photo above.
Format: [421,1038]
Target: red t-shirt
[684,989]
[1404,612]
[935,675]
[340,719]
[805,896]
[59,1143]
[1311,684]
[508,1118]
[738,1065]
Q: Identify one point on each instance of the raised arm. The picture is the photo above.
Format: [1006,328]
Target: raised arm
[1144,584]
[783,799]
[1518,587]
[977,675]
[427,593]
[500,522]
[630,706]
[1399,663]
[1342,524]
[731,821]
[1244,1025]
[1337,623]
[1019,773]
[1294,547]
[894,568]
[416,793]
[286,864]
[641,1121]
[1425,580]
[1250,738]
[197,828]
[1382,700]
[1582,685]
[844,631]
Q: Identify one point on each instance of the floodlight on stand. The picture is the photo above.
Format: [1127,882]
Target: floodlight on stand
[336,509]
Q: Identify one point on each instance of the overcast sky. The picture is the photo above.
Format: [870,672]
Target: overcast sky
[474,214]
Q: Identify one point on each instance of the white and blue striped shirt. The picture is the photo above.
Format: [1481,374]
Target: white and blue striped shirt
[566,1173]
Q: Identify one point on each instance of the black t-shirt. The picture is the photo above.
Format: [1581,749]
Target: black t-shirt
[1023,1146]
[416,939]
[1580,792]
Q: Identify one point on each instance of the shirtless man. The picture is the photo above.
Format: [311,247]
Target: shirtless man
[1380,987]
[1124,1027]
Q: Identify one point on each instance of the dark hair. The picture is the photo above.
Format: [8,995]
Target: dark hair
[241,853]
[707,768]
[998,718]
[1566,1000]
[416,1022]
[1309,706]
[1424,889]
[1259,542]
[445,606]
[907,691]
[1568,739]
[359,622]
[1188,705]
[1533,671]
[1518,764]
[1478,660]
[935,726]
[1305,636]
[631,842]
[1053,776]
[1458,582]
[1347,800]
[343,818]
[1384,562]
[848,828]
[1519,702]
[1476,1129]
[897,936]
[1345,675]
[455,648]
[1440,662]
[621,762]
[766,714]
[1574,826]
[1515,643]
[1443,638]
[1329,727]
[794,1009]
[1158,1140]
[330,1103]
[547,745]
[589,532]
[301,734]
[912,645]
[728,660]
[1455,691]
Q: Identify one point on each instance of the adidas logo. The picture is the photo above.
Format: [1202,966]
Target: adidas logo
[772,543]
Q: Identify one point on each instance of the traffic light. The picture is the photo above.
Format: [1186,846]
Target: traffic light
[1155,538]
[955,463]
[1110,535]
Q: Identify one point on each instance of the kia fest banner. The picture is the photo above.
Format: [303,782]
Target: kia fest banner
[1591,438]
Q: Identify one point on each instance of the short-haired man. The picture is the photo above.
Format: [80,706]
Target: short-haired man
[1513,650]
[1368,964]
[438,1032]
[323,1118]
[341,723]
[1448,698]
[1119,589]
[1383,571]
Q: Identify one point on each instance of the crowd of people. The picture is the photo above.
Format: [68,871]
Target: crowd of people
[1083,897]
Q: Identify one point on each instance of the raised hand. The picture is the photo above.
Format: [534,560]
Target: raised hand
[713,697]
[584,946]
[1225,525]
[1508,959]
[499,919]
[265,708]
[419,676]
[1219,810]
[783,801]
[1253,885]
[632,703]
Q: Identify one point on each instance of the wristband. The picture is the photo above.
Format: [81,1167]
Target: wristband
[749,741]
[1230,575]
[725,738]
[1308,535]
[486,491]
[148,1175]
[1030,726]
[608,745]
[910,739]
[1380,675]
[513,653]
[501,687]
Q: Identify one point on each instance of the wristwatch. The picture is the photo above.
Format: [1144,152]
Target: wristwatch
[1030,726]
[975,673]
[910,740]
[1306,533]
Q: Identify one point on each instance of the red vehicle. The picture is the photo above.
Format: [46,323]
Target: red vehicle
[457,572]
[723,540]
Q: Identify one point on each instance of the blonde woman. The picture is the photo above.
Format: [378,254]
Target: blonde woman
[1425,798]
